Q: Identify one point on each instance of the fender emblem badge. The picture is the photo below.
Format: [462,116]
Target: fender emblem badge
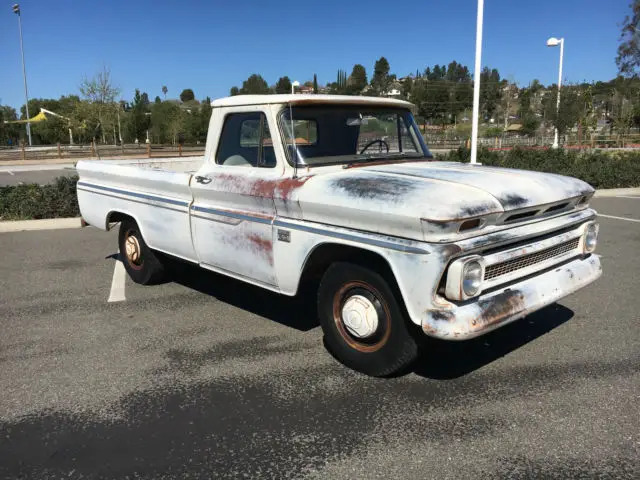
[284,236]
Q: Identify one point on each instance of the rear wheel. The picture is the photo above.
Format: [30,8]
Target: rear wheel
[363,324]
[140,262]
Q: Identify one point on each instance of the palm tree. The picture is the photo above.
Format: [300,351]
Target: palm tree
[165,90]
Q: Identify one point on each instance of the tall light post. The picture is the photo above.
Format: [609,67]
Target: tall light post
[293,86]
[554,42]
[16,10]
[476,83]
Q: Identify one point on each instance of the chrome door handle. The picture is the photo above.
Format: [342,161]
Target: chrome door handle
[204,180]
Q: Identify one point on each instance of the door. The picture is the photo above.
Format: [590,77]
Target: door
[233,209]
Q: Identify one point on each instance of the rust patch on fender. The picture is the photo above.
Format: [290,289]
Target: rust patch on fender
[285,187]
[282,188]
[498,308]
[262,245]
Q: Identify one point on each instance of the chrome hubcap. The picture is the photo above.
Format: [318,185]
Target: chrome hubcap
[132,248]
[360,317]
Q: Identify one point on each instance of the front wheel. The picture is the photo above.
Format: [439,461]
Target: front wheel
[363,324]
[140,262]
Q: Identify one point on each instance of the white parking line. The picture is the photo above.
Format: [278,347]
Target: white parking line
[625,196]
[11,173]
[118,282]
[620,218]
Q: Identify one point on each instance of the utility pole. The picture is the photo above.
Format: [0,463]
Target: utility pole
[16,10]
[476,84]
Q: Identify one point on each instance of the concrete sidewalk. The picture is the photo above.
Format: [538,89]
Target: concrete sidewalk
[47,224]
[618,192]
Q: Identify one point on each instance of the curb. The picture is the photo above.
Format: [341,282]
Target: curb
[47,224]
[615,192]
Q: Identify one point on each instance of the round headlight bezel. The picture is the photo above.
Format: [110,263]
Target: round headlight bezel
[590,237]
[456,274]
[471,280]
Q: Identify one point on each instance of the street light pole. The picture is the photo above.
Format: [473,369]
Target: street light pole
[476,84]
[554,42]
[293,86]
[16,10]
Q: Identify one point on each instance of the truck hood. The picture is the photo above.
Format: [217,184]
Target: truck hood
[394,199]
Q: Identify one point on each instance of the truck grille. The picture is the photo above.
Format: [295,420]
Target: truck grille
[499,269]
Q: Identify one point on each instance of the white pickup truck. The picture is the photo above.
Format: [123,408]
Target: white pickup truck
[344,190]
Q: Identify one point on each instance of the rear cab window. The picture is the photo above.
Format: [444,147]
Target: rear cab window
[245,141]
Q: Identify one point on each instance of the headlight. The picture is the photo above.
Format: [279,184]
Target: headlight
[472,278]
[590,239]
[464,278]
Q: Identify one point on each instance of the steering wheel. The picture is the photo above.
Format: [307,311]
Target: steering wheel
[373,142]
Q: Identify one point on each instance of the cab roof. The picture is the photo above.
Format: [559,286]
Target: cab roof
[307,99]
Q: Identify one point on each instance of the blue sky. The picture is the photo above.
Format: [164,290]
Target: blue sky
[212,45]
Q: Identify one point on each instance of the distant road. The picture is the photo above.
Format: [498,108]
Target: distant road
[40,174]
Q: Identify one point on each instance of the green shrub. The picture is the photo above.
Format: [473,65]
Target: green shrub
[493,132]
[56,200]
[599,169]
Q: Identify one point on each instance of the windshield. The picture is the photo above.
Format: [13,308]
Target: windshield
[335,134]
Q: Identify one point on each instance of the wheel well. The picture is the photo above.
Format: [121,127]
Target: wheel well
[327,253]
[116,217]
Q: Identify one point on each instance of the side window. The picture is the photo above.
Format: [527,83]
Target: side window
[246,141]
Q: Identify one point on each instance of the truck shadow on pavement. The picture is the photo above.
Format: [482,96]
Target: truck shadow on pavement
[441,360]
[297,312]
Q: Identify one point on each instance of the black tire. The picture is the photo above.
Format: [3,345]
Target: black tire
[144,267]
[391,348]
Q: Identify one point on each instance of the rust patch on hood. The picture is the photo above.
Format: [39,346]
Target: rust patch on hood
[387,189]
[512,201]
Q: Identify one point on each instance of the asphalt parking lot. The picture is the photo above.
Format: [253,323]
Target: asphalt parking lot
[18,176]
[207,377]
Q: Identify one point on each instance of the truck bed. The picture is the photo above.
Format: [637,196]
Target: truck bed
[154,191]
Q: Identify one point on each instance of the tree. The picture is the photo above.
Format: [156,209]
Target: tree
[628,58]
[157,99]
[138,119]
[490,92]
[380,81]
[357,80]
[234,91]
[570,108]
[145,98]
[254,85]
[315,83]
[407,86]
[187,95]
[340,85]
[9,133]
[101,93]
[283,85]
[164,91]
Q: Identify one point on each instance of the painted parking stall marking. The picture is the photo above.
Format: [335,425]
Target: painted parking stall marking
[635,220]
[118,282]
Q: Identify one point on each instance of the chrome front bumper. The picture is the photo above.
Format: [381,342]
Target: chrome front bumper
[492,310]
